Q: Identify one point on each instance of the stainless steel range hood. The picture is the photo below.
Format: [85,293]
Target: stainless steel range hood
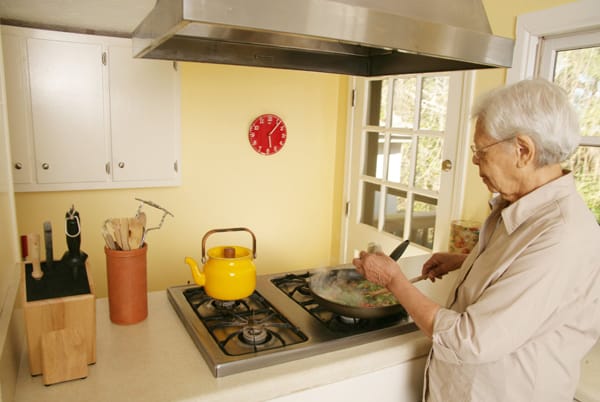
[354,37]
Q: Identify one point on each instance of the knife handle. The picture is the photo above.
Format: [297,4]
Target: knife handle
[48,243]
[33,251]
[73,233]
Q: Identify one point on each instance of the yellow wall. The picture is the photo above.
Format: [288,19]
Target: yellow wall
[287,199]
[292,200]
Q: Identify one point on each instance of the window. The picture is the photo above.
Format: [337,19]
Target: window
[573,62]
[567,36]
[406,119]
[405,128]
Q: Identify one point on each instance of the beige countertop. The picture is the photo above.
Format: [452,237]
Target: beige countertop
[156,360]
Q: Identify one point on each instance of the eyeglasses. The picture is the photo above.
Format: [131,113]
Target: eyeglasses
[478,153]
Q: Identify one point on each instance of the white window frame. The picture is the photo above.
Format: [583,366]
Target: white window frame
[547,57]
[460,162]
[577,16]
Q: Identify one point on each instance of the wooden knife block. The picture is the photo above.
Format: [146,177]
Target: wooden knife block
[60,322]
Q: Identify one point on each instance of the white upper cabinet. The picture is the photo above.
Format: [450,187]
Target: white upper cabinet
[19,108]
[84,114]
[144,100]
[67,111]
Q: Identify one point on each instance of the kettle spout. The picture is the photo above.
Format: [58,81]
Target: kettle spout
[199,277]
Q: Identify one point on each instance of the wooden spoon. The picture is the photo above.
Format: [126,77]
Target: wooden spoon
[116,226]
[136,231]
[125,233]
[385,290]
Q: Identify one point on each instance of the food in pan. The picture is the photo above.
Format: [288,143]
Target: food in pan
[363,293]
[352,291]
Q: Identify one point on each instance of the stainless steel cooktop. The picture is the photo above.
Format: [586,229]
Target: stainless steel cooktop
[279,322]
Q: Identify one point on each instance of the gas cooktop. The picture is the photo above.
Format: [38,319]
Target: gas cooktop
[279,322]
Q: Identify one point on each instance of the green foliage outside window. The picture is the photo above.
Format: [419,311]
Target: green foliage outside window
[578,72]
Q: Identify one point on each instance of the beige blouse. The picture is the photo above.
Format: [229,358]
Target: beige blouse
[526,306]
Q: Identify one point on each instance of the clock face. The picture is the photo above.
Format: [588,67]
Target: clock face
[267,134]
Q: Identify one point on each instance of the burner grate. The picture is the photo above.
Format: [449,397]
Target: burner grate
[240,327]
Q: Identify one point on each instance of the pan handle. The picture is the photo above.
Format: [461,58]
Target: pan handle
[227,230]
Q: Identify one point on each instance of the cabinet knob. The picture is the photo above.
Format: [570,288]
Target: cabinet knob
[18,166]
[45,166]
[447,165]
[121,165]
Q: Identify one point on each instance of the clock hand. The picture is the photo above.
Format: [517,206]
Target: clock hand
[271,133]
[273,130]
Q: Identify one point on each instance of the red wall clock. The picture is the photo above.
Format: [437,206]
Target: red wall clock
[267,134]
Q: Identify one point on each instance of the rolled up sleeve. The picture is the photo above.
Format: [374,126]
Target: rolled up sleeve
[445,321]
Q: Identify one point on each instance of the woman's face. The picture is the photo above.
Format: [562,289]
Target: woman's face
[497,162]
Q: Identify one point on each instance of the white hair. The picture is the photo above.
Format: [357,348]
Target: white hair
[537,108]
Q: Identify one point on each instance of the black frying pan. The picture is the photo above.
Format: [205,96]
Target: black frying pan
[321,282]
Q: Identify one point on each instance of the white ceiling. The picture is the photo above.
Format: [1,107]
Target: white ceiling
[106,16]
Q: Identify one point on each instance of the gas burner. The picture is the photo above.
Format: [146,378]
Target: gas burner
[255,330]
[229,305]
[224,304]
[243,326]
[255,335]
[207,306]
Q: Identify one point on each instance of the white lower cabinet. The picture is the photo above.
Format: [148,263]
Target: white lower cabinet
[401,383]
[84,114]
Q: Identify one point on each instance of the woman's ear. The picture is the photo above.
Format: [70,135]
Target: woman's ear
[525,150]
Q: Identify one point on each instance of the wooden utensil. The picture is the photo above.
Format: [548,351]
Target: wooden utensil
[125,234]
[136,232]
[385,290]
[116,226]
[418,278]
[108,239]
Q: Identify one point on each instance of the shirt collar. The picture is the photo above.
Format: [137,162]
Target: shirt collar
[514,214]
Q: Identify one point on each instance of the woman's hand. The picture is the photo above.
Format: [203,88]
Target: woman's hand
[377,268]
[439,264]
[382,270]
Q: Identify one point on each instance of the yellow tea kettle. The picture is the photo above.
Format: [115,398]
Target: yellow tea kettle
[229,273]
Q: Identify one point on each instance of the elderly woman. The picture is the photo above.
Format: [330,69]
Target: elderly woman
[526,305]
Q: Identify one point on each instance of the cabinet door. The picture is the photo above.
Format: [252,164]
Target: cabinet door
[17,94]
[67,105]
[143,110]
